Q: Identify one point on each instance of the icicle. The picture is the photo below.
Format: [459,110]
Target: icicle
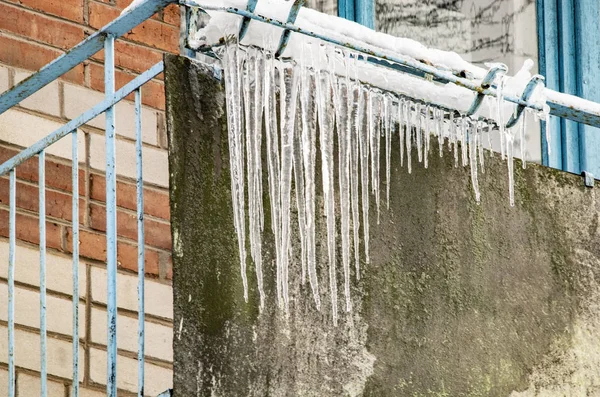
[298,168]
[288,95]
[463,141]
[546,113]
[480,145]
[375,118]
[387,104]
[454,138]
[343,134]
[325,114]
[408,117]
[472,137]
[509,163]
[401,118]
[273,165]
[236,156]
[500,115]
[309,127]
[439,116]
[353,104]
[426,137]
[363,145]
[523,131]
[419,132]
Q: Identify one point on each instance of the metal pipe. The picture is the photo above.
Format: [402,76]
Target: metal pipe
[63,131]
[75,249]
[11,283]
[139,183]
[111,221]
[42,227]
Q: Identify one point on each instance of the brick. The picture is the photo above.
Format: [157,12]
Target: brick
[93,245]
[40,28]
[29,385]
[122,4]
[3,379]
[153,92]
[27,229]
[27,353]
[172,15]
[4,83]
[46,100]
[159,337]
[58,176]
[133,57]
[85,392]
[27,265]
[58,205]
[27,311]
[159,297]
[156,234]
[158,379]
[150,32]
[155,161]
[69,9]
[156,203]
[31,56]
[79,99]
[24,129]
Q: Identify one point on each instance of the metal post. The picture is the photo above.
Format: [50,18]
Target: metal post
[75,244]
[140,223]
[42,218]
[11,284]
[111,220]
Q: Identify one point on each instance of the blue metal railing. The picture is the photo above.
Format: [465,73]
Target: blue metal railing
[104,38]
[560,104]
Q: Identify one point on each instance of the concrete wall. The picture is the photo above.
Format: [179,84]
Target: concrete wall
[460,299]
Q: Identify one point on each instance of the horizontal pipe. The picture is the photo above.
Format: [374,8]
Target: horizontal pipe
[561,105]
[82,119]
[80,52]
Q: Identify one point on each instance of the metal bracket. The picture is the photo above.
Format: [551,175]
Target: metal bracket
[485,84]
[246,21]
[286,33]
[533,83]
[588,178]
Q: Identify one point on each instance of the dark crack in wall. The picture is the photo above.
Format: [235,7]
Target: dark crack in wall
[460,298]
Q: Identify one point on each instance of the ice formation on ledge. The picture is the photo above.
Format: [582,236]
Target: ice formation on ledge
[330,98]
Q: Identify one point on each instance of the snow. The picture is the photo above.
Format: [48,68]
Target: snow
[343,113]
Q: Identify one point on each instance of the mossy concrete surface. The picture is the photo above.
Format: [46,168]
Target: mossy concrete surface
[460,298]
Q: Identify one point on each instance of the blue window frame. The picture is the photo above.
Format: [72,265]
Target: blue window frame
[361,11]
[569,58]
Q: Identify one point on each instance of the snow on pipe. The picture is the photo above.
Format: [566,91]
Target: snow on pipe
[323,85]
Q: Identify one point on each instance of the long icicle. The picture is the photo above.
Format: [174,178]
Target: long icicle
[326,120]
[353,134]
[309,127]
[363,145]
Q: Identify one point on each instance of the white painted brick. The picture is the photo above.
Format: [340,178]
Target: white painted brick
[3,79]
[3,379]
[159,338]
[91,393]
[25,129]
[45,100]
[159,297]
[79,99]
[155,161]
[27,353]
[27,269]
[157,379]
[29,385]
[27,311]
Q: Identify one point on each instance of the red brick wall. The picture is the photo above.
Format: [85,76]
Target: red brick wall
[34,32]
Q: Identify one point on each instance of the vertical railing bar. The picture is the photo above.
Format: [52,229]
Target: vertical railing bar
[140,224]
[75,245]
[11,284]
[111,221]
[42,227]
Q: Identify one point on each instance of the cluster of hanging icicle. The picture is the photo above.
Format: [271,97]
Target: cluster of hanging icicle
[316,107]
